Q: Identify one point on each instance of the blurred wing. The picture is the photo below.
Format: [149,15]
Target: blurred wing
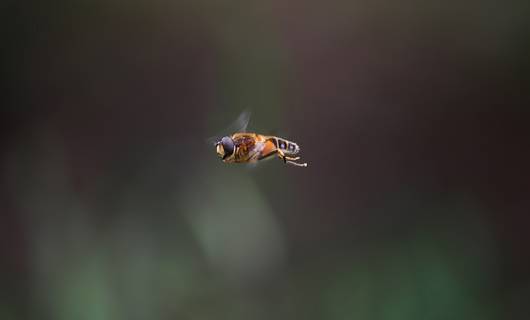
[213,140]
[238,125]
[241,123]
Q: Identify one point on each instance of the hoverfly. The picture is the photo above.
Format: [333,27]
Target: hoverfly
[246,147]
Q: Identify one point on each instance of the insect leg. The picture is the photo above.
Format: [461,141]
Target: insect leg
[297,164]
[289,160]
[282,156]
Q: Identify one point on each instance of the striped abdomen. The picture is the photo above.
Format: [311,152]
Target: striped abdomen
[288,147]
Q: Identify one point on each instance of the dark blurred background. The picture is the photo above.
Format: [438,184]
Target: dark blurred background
[412,115]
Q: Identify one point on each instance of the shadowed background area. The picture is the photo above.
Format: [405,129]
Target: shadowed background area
[413,117]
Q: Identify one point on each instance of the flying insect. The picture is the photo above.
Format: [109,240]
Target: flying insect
[247,147]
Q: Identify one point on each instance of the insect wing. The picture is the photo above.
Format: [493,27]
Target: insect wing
[241,123]
[238,125]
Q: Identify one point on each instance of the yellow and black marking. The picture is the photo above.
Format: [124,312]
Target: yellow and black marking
[288,147]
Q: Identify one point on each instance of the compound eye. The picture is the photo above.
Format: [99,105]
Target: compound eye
[228,145]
